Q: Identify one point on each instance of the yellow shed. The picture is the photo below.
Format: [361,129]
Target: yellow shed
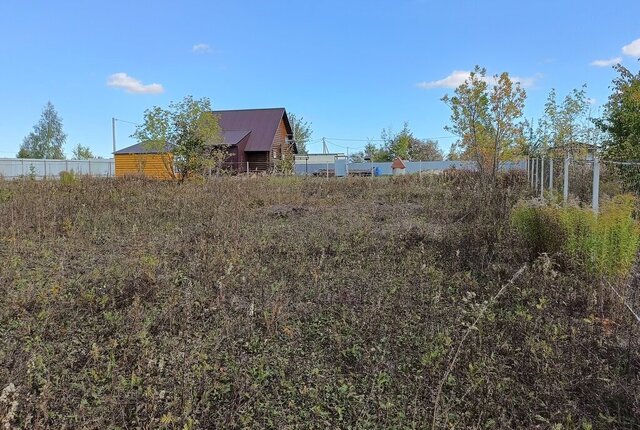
[145,159]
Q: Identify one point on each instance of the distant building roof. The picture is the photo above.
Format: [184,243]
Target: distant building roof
[398,164]
[263,124]
[147,147]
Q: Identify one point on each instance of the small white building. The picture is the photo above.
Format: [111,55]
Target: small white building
[398,167]
[318,158]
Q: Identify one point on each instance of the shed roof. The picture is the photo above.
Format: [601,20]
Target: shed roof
[147,147]
[398,164]
[263,124]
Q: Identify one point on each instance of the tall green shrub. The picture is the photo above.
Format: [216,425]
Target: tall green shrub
[605,244]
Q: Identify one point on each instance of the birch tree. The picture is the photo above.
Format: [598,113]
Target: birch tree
[487,116]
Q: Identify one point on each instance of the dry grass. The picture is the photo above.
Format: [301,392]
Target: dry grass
[291,303]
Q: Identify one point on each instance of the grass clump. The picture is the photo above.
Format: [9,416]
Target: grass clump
[606,244]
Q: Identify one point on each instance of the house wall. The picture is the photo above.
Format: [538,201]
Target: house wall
[149,165]
[259,160]
[280,149]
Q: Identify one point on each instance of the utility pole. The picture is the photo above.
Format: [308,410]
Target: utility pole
[325,149]
[113,133]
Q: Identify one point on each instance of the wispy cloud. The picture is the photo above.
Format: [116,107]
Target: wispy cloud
[202,48]
[132,85]
[457,77]
[606,63]
[632,49]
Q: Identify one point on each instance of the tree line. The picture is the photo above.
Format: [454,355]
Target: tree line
[487,116]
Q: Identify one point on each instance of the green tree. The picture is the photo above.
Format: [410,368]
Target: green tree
[454,153]
[565,127]
[398,145]
[406,146]
[47,138]
[621,117]
[301,132]
[192,132]
[81,152]
[425,150]
[487,119]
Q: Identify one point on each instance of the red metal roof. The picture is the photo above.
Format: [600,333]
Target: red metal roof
[398,164]
[233,137]
[262,123]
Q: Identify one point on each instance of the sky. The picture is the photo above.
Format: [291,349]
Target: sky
[351,68]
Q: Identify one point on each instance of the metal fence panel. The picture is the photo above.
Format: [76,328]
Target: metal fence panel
[304,168]
[11,168]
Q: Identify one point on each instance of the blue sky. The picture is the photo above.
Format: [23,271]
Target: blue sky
[349,67]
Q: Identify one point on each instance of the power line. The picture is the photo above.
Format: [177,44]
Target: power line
[347,147]
[355,140]
[382,140]
[128,122]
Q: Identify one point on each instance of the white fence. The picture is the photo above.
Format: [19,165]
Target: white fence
[12,168]
[585,180]
[340,167]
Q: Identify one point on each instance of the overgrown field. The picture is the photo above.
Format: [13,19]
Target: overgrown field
[293,303]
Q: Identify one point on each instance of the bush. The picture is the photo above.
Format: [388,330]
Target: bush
[68,177]
[606,245]
[541,227]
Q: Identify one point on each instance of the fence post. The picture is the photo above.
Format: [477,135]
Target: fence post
[531,166]
[550,174]
[595,199]
[542,177]
[565,186]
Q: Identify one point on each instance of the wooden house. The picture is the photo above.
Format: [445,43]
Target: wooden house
[256,139]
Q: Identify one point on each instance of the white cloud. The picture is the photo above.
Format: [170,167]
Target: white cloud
[526,82]
[606,63]
[632,49]
[202,48]
[592,101]
[457,77]
[133,85]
